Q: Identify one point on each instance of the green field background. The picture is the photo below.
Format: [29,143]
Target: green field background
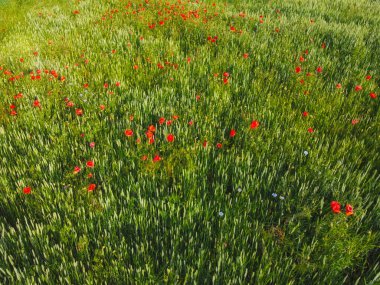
[275,113]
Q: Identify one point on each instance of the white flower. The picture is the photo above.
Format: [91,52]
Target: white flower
[239,189]
[306,152]
[221,214]
[282,197]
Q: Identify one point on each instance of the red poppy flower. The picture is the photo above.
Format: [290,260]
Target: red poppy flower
[89,175]
[118,84]
[246,55]
[298,69]
[204,143]
[92,144]
[90,164]
[170,138]
[232,133]
[36,103]
[168,122]
[254,124]
[102,107]
[85,85]
[128,133]
[13,113]
[144,157]
[354,121]
[225,81]
[191,123]
[358,87]
[152,128]
[135,67]
[105,85]
[349,210]
[151,140]
[197,97]
[373,95]
[232,29]
[19,95]
[305,114]
[226,74]
[219,145]
[91,187]
[175,117]
[319,69]
[161,120]
[335,207]
[302,59]
[27,190]
[77,169]
[156,158]
[339,86]
[79,112]
[368,77]
[310,130]
[149,134]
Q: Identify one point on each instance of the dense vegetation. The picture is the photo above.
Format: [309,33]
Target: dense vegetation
[145,142]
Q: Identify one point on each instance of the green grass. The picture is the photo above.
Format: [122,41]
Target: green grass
[201,214]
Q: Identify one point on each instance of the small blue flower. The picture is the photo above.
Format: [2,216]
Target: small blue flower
[274,195]
[221,214]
